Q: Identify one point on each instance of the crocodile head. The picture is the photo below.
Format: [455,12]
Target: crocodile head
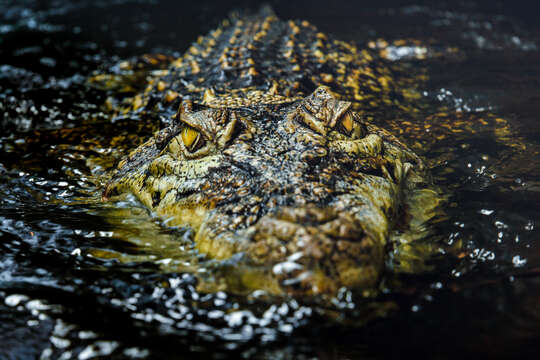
[306,189]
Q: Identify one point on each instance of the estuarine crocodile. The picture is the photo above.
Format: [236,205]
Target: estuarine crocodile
[271,156]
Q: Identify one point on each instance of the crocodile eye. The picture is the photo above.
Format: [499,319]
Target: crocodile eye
[347,122]
[192,139]
[349,126]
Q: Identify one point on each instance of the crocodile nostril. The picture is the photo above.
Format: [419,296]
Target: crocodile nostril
[321,151]
[308,155]
[313,156]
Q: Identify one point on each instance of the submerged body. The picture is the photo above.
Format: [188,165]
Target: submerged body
[272,158]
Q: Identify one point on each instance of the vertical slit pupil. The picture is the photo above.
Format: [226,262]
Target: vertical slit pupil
[191,138]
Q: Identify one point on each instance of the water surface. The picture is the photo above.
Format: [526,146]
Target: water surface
[80,278]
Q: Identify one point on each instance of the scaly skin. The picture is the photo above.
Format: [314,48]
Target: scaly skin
[270,154]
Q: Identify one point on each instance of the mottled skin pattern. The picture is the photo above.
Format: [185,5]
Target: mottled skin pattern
[270,155]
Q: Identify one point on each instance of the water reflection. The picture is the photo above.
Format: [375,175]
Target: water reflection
[75,286]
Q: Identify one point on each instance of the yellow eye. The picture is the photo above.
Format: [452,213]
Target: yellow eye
[191,138]
[347,122]
[349,125]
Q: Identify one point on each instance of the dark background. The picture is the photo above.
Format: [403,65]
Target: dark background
[53,43]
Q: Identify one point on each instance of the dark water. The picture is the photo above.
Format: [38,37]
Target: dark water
[80,279]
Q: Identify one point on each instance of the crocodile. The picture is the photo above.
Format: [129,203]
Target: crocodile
[270,153]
